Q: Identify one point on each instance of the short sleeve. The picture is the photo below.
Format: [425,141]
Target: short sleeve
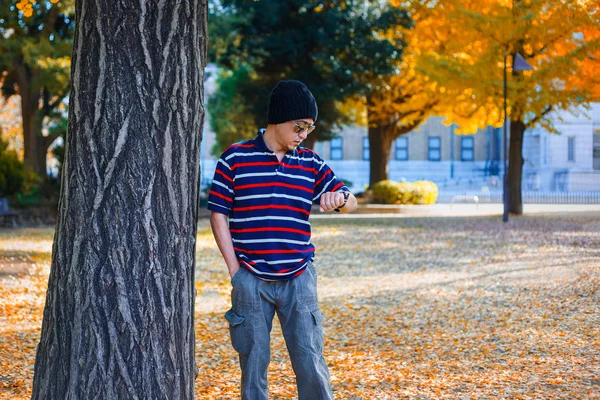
[326,181]
[220,197]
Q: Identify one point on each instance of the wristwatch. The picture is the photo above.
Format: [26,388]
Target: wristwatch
[346,195]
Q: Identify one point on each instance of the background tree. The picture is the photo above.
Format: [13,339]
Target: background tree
[231,117]
[336,48]
[401,102]
[118,321]
[35,64]
[560,39]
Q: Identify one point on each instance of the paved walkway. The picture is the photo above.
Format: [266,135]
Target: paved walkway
[463,210]
[456,210]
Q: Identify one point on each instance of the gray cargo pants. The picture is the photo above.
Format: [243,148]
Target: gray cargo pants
[254,303]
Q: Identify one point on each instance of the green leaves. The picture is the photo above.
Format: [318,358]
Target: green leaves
[335,48]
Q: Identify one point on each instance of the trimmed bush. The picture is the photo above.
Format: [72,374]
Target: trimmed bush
[390,192]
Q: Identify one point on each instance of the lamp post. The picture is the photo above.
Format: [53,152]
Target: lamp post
[519,64]
[452,151]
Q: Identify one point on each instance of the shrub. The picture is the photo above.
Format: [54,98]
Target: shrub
[390,192]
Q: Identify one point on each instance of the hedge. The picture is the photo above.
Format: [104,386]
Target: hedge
[390,192]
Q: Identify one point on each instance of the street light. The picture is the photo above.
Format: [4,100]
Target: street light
[519,64]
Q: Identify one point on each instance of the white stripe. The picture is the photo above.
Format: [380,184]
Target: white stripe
[253,175]
[263,196]
[269,218]
[324,188]
[312,180]
[307,159]
[271,241]
[224,163]
[254,153]
[228,209]
[275,273]
[321,167]
[216,182]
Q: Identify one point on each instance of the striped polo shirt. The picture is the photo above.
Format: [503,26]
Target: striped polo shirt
[268,203]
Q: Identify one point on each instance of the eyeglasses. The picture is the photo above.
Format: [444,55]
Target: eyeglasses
[303,126]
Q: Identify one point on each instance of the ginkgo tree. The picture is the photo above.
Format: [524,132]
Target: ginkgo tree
[559,38]
[399,103]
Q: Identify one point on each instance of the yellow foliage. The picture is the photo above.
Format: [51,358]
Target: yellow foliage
[561,39]
[26,6]
[10,123]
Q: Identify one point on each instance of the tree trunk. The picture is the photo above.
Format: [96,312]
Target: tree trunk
[380,143]
[118,321]
[34,144]
[515,167]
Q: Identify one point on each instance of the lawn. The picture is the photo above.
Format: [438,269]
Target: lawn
[421,308]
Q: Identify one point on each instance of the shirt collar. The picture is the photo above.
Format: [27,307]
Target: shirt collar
[259,143]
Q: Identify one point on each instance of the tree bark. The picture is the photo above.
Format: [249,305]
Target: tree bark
[118,321]
[515,167]
[380,143]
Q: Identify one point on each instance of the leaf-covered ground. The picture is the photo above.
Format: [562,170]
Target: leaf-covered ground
[415,308]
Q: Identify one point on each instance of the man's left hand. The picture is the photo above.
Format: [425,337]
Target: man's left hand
[331,200]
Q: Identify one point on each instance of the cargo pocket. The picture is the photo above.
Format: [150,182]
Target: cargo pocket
[237,275]
[236,331]
[317,336]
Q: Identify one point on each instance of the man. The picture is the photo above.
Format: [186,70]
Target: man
[260,200]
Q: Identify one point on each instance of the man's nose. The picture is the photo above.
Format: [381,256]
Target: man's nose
[303,134]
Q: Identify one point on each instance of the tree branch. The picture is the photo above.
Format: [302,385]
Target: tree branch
[539,117]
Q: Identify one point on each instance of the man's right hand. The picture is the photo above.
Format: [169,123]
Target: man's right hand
[233,271]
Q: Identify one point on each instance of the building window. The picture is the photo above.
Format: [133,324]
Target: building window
[571,149]
[435,148]
[402,149]
[467,149]
[366,151]
[336,149]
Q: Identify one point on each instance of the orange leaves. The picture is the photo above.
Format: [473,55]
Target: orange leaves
[557,38]
[440,308]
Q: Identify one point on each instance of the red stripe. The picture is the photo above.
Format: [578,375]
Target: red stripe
[305,151]
[223,175]
[272,251]
[301,167]
[271,230]
[299,273]
[254,164]
[220,195]
[321,180]
[248,263]
[274,184]
[339,185]
[241,145]
[272,206]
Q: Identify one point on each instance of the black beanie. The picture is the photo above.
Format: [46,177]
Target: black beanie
[291,100]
